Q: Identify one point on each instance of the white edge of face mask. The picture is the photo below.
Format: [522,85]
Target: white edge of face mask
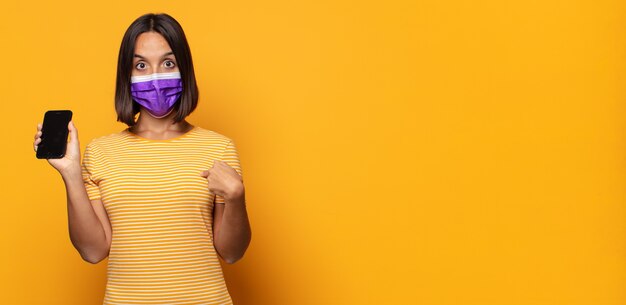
[155,76]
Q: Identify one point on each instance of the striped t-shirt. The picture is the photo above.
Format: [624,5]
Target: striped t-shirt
[160,209]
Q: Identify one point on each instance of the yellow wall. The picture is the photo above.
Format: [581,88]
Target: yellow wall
[417,152]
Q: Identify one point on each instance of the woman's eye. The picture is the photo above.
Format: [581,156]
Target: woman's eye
[140,65]
[169,64]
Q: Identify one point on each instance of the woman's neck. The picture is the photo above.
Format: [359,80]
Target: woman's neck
[164,125]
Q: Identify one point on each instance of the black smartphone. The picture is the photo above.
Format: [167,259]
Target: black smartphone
[54,133]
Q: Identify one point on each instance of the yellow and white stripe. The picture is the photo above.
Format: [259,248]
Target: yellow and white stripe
[160,210]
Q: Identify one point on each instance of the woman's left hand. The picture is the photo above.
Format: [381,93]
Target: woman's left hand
[224,180]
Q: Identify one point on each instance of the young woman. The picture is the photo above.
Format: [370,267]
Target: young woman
[163,199]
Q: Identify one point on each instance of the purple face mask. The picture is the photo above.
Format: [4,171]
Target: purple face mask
[157,92]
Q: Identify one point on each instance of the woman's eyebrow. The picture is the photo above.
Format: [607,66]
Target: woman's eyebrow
[166,54]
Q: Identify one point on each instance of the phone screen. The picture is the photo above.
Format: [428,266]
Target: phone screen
[54,134]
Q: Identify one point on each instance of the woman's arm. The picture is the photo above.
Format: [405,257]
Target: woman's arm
[90,230]
[231,227]
[86,219]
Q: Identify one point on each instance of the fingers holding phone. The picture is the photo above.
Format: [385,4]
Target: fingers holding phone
[37,137]
[51,141]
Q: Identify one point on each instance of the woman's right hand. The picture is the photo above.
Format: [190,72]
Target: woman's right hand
[71,160]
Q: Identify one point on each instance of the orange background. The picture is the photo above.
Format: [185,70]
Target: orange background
[416,152]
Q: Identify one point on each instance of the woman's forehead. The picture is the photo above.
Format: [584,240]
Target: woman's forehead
[151,44]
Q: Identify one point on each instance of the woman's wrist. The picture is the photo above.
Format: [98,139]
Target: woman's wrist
[236,196]
[71,172]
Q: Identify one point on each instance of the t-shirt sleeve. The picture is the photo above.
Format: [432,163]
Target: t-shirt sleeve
[90,168]
[231,157]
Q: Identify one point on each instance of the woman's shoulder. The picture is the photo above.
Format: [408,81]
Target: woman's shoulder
[211,135]
[107,139]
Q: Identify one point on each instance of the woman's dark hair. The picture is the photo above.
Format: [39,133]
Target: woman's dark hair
[171,30]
